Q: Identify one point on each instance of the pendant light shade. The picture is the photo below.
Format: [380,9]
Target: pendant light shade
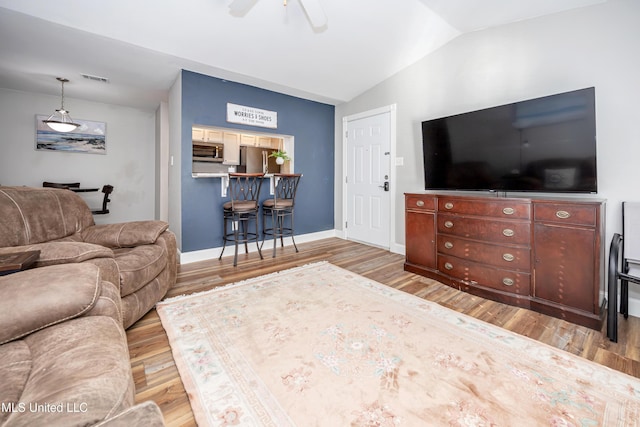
[60,120]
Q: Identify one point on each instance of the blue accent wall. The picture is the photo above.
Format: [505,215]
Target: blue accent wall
[204,102]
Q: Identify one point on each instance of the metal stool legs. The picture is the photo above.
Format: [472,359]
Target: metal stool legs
[612,310]
[278,228]
[614,275]
[240,233]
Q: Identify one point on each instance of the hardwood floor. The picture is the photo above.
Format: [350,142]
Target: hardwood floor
[156,377]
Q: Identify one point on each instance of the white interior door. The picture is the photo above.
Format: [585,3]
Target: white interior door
[368,179]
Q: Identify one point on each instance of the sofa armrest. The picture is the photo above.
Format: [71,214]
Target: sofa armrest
[126,234]
[62,252]
[34,299]
[54,253]
[143,414]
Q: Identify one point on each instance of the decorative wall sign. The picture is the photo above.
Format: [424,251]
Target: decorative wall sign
[251,116]
[89,137]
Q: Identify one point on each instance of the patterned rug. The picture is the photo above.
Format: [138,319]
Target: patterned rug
[321,346]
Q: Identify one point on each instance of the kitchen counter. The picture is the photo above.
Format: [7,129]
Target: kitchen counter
[224,180]
[219,175]
[209,174]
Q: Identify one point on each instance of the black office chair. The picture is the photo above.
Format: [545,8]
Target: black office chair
[241,211]
[624,265]
[279,209]
[106,190]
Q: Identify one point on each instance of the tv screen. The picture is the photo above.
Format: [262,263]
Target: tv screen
[542,145]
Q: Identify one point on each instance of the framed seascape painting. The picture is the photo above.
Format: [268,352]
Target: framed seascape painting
[89,137]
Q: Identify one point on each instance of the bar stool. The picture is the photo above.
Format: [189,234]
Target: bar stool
[241,210]
[280,207]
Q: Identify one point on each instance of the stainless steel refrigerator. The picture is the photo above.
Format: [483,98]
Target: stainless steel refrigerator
[256,160]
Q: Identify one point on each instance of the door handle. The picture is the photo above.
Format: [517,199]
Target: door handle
[385,186]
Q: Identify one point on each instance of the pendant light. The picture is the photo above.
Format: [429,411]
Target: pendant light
[61,121]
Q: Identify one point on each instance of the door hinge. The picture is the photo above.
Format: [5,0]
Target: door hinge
[346,179]
[346,224]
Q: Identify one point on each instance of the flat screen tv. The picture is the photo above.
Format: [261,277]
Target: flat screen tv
[541,145]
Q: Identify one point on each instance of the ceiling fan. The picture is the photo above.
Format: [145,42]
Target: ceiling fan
[312,8]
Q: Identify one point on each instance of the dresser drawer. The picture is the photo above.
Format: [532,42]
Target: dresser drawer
[566,213]
[509,232]
[490,277]
[509,257]
[499,209]
[424,202]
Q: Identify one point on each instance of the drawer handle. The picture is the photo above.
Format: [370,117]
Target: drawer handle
[448,205]
[508,232]
[448,266]
[563,214]
[420,203]
[508,281]
[508,257]
[448,245]
[508,211]
[448,224]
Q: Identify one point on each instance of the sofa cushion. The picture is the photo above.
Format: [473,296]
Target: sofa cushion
[53,253]
[138,266]
[34,299]
[15,366]
[135,305]
[125,235]
[35,215]
[83,365]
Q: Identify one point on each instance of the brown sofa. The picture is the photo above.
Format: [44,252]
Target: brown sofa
[64,359]
[139,256]
[63,351]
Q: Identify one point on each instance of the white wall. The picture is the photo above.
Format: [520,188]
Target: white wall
[594,46]
[162,162]
[175,158]
[129,164]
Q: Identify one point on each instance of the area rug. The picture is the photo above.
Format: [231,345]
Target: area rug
[321,346]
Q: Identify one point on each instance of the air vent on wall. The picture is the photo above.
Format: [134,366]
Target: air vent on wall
[95,78]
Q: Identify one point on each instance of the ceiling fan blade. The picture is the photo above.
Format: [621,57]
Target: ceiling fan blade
[314,12]
[241,7]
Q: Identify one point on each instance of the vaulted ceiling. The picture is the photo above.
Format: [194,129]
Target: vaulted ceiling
[140,46]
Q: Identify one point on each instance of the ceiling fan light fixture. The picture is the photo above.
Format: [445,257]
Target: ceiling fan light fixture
[60,120]
[312,8]
[315,13]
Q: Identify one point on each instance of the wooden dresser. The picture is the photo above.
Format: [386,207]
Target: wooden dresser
[541,254]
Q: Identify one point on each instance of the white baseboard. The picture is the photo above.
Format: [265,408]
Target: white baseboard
[634,306]
[214,253]
[398,249]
